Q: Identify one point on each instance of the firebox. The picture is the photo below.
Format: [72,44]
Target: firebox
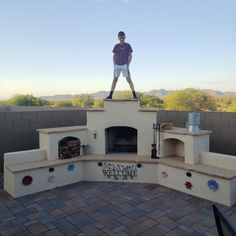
[173,147]
[68,147]
[121,139]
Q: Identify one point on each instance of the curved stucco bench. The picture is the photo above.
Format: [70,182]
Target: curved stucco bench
[29,172]
[151,171]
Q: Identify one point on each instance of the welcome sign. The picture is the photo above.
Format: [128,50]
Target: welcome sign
[119,171]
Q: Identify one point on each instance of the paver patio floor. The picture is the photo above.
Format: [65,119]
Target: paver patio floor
[108,208]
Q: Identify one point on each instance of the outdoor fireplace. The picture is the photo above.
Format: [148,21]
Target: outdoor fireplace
[68,147]
[121,139]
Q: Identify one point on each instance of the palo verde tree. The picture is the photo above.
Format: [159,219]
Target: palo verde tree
[151,101]
[62,103]
[26,100]
[98,103]
[83,100]
[190,100]
[145,99]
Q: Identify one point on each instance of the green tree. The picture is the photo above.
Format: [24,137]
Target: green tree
[27,100]
[98,103]
[190,100]
[151,101]
[83,100]
[224,103]
[145,100]
[232,106]
[4,103]
[62,103]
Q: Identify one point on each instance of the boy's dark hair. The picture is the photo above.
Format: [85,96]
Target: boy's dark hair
[121,33]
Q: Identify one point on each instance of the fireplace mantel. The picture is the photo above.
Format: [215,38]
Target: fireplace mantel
[62,129]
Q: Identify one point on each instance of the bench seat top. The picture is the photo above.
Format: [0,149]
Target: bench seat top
[174,161]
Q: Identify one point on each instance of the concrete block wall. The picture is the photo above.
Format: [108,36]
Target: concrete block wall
[18,126]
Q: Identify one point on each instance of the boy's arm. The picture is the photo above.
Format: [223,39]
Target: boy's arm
[129,58]
[114,60]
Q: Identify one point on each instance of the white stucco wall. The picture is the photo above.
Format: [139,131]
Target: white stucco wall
[24,156]
[218,160]
[177,177]
[13,181]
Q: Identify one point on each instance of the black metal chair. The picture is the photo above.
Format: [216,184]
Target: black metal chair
[223,226]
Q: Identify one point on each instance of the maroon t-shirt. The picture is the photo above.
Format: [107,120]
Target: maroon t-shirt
[122,52]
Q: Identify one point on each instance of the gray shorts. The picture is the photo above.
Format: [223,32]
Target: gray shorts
[124,68]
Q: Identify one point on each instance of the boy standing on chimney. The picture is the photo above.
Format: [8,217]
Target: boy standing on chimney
[122,56]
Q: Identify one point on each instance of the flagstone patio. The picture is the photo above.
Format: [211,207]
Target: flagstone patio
[108,208]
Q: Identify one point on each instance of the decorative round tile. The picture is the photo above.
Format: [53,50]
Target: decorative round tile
[213,185]
[27,180]
[188,185]
[71,167]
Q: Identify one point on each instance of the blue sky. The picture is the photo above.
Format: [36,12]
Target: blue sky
[64,46]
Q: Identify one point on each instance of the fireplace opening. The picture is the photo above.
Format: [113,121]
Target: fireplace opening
[121,139]
[173,148]
[68,147]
